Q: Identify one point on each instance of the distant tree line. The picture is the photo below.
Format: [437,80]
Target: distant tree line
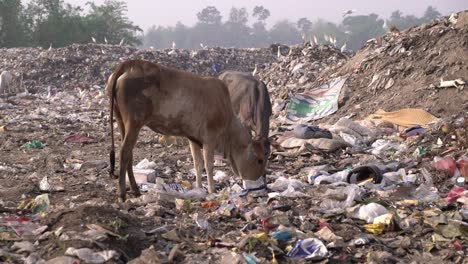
[54,22]
[235,31]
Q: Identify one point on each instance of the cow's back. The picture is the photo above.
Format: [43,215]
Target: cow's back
[250,100]
[177,103]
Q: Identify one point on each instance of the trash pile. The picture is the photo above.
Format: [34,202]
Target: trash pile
[377,187]
[84,66]
[422,67]
[299,70]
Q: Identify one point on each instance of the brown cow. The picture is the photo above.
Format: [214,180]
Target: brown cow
[251,102]
[177,103]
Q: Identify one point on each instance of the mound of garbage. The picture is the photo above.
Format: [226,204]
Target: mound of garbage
[83,66]
[299,70]
[422,67]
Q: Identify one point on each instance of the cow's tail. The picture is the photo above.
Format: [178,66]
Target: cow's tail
[263,111]
[111,90]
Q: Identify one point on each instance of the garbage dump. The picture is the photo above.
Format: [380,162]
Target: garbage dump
[84,66]
[350,185]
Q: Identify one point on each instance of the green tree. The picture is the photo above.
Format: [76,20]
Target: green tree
[109,21]
[209,15]
[53,22]
[237,33]
[259,34]
[261,13]
[157,37]
[11,28]
[361,29]
[402,22]
[208,30]
[181,35]
[285,32]
[430,13]
[304,25]
[238,16]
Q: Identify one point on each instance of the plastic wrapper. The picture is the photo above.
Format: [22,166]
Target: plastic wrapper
[426,194]
[282,184]
[340,198]
[370,211]
[310,248]
[89,256]
[336,177]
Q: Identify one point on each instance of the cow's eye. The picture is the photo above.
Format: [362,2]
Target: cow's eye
[260,161]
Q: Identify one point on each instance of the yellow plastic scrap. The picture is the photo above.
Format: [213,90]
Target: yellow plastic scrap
[375,228]
[273,258]
[263,237]
[3,128]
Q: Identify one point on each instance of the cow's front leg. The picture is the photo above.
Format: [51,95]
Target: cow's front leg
[197,162]
[208,156]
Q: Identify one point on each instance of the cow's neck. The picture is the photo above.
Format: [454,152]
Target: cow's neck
[238,140]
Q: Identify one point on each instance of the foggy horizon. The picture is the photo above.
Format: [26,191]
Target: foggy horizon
[146,14]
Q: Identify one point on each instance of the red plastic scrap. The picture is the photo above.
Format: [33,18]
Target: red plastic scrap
[456,193]
[267,225]
[446,163]
[457,245]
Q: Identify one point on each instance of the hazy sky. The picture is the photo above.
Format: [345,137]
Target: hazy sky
[155,12]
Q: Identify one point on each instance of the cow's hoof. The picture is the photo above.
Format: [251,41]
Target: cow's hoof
[122,198]
[112,175]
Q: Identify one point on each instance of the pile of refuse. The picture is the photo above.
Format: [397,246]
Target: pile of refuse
[85,66]
[421,67]
[300,68]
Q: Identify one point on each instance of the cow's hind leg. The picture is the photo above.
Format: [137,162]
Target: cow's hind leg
[208,156]
[126,153]
[121,126]
[197,161]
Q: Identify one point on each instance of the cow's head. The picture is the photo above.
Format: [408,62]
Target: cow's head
[250,163]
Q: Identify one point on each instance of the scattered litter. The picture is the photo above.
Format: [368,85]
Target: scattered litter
[310,248]
[89,256]
[36,144]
